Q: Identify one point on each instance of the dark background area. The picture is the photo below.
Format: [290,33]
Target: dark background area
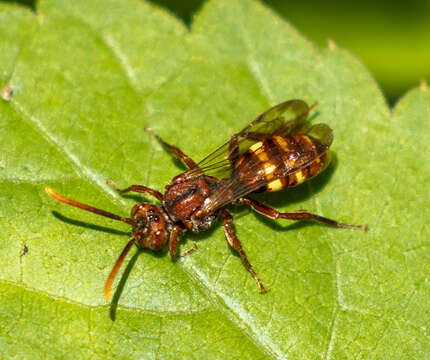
[392,38]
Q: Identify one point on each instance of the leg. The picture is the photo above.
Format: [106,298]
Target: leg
[174,150]
[173,243]
[138,189]
[189,251]
[227,222]
[296,215]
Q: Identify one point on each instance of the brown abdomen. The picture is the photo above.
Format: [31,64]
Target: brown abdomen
[282,161]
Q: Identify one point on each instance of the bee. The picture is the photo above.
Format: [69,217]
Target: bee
[278,149]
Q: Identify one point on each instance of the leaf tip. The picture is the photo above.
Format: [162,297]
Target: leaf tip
[423,85]
[331,44]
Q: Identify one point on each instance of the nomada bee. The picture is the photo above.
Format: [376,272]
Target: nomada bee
[279,149]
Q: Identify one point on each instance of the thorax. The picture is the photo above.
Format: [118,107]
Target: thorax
[184,196]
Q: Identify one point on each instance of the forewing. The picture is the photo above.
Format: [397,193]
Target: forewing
[282,119]
[236,187]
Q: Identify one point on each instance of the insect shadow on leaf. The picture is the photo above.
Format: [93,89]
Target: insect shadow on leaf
[87,225]
[121,284]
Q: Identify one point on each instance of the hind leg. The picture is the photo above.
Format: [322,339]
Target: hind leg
[296,215]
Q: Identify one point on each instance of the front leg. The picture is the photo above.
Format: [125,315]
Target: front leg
[173,242]
[296,215]
[233,241]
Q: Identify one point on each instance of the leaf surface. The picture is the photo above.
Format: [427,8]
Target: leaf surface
[87,78]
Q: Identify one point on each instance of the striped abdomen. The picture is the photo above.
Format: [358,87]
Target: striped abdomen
[265,164]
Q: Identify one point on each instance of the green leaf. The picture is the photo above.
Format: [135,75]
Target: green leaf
[87,77]
[392,40]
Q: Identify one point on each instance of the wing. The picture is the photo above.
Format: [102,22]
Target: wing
[282,119]
[252,178]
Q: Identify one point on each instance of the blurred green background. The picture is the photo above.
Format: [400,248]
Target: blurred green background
[392,38]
